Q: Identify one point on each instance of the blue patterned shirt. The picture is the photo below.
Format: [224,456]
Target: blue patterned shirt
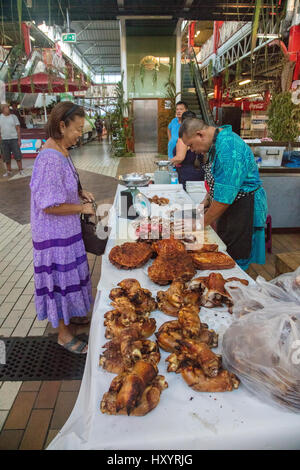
[234,169]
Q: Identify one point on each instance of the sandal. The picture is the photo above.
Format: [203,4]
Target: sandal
[78,349]
[80,321]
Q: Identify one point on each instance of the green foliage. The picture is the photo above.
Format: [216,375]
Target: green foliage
[255,24]
[210,73]
[120,125]
[283,118]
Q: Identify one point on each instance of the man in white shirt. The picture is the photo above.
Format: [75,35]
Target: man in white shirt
[10,139]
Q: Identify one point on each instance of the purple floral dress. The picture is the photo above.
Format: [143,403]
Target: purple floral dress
[61,271]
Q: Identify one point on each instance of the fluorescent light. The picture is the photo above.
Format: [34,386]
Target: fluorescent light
[253,95]
[243,82]
[239,98]
[267,36]
[211,94]
[32,39]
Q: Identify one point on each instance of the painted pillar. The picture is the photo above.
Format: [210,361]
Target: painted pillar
[217,26]
[123,53]
[191,38]
[26,36]
[294,49]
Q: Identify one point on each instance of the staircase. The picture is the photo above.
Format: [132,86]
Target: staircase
[188,93]
[193,90]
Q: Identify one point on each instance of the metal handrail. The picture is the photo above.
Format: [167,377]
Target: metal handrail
[200,89]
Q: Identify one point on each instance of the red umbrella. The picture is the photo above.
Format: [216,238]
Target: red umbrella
[43,83]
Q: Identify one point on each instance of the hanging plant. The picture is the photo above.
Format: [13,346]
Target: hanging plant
[154,78]
[66,71]
[226,75]
[283,118]
[133,79]
[19,85]
[19,7]
[255,24]
[50,88]
[9,79]
[238,70]
[142,74]
[32,85]
[210,72]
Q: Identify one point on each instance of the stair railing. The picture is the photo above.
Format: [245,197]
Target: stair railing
[191,59]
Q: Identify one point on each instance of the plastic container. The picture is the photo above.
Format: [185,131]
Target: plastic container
[174,177]
[270,156]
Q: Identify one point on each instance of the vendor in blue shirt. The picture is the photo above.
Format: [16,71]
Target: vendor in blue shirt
[189,165]
[173,127]
[236,199]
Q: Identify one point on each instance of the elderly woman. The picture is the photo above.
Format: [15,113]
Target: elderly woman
[61,271]
[236,199]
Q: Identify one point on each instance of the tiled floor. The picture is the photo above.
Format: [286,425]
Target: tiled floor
[31,413]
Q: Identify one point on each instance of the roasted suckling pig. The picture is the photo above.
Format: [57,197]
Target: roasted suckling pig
[212,260]
[141,298]
[122,352]
[212,289]
[177,296]
[187,326]
[223,382]
[116,322]
[202,354]
[130,255]
[134,393]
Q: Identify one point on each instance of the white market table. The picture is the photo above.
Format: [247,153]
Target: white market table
[184,419]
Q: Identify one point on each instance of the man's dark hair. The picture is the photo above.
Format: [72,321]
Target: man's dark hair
[63,111]
[188,114]
[183,103]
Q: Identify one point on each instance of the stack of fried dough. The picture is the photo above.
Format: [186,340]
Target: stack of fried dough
[136,389]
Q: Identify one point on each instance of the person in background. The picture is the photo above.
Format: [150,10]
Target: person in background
[99,128]
[236,199]
[63,291]
[16,112]
[173,127]
[188,164]
[10,139]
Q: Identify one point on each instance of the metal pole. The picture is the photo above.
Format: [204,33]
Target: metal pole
[123,54]
[178,59]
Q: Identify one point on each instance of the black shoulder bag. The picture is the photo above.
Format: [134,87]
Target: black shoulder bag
[93,244]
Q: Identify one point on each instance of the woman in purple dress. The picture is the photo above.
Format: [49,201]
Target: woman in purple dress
[61,271]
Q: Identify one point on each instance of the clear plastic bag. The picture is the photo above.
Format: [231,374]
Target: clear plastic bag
[263,349]
[285,287]
[246,299]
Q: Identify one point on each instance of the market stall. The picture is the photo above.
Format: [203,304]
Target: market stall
[43,83]
[183,418]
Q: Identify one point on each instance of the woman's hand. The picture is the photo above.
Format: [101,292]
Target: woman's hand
[88,209]
[86,196]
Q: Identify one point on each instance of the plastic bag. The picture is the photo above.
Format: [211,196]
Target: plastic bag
[263,350]
[285,287]
[246,299]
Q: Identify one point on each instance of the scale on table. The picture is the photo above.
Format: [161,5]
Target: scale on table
[162,175]
[132,202]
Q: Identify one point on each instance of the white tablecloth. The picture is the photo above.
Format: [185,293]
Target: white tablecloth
[184,419]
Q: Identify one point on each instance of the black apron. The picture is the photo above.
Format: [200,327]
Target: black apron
[235,226]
